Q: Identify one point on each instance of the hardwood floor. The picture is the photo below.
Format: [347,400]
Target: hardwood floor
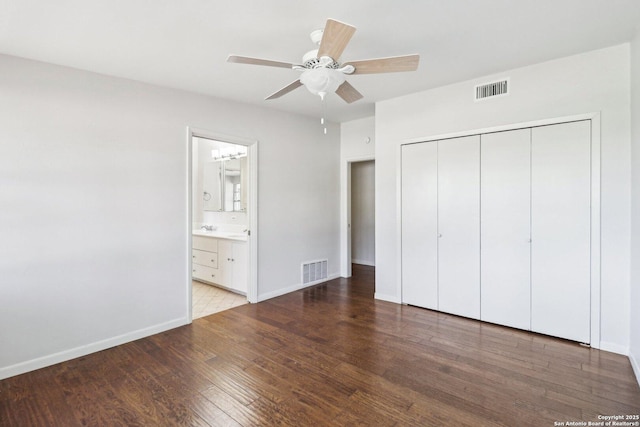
[329,355]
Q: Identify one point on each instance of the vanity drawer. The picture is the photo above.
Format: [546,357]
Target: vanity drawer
[205,243]
[204,273]
[209,259]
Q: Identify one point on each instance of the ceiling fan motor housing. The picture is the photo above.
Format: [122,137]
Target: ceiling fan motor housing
[310,61]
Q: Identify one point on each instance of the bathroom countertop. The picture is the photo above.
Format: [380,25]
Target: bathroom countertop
[231,235]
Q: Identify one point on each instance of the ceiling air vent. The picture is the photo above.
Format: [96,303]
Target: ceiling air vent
[493,89]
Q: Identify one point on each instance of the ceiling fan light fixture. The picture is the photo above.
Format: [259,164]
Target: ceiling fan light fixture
[322,72]
[320,81]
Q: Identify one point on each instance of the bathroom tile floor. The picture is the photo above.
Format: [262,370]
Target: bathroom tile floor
[208,299]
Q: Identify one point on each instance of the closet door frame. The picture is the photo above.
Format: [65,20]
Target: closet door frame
[595,200]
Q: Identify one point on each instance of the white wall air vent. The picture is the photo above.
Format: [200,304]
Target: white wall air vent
[491,90]
[314,272]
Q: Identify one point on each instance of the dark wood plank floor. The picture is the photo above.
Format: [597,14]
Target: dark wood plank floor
[329,355]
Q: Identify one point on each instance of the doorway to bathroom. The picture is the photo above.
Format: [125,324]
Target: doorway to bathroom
[222,222]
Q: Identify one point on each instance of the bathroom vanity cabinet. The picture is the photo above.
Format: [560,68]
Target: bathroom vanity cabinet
[220,261]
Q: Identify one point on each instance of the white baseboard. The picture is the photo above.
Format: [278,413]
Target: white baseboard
[636,367]
[63,356]
[388,298]
[614,348]
[293,288]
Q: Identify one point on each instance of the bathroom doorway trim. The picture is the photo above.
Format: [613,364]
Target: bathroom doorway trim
[252,205]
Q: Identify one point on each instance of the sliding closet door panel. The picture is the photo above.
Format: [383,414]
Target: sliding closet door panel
[420,224]
[459,226]
[505,228]
[560,230]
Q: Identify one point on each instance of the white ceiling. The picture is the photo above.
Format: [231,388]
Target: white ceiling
[184,43]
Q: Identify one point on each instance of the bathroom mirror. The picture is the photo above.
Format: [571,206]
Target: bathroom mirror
[211,185]
[224,185]
[234,175]
[221,175]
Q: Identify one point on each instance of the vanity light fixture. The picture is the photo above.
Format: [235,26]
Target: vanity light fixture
[229,156]
[229,153]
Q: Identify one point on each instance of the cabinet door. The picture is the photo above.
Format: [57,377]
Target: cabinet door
[420,224]
[225,262]
[232,259]
[505,191]
[560,230]
[459,226]
[240,267]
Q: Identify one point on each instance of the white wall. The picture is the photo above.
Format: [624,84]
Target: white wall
[357,143]
[94,223]
[635,206]
[363,218]
[358,139]
[592,82]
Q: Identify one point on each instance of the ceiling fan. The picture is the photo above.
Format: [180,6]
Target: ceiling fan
[322,71]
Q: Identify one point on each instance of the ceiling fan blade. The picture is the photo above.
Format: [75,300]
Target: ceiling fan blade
[335,37]
[256,61]
[386,65]
[285,90]
[348,93]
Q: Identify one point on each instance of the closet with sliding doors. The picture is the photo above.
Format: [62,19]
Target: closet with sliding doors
[497,227]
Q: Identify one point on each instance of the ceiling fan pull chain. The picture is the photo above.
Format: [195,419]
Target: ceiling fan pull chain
[324,114]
